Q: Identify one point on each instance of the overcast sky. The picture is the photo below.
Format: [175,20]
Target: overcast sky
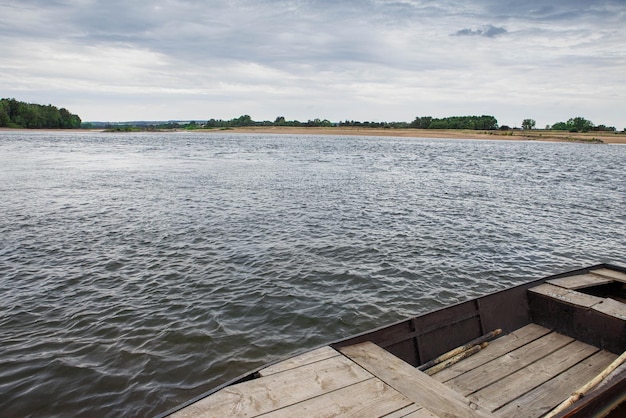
[368,60]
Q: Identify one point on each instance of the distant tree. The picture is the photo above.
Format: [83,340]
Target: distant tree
[243,120]
[560,126]
[528,124]
[214,123]
[580,124]
[29,115]
[577,124]
[456,122]
[317,122]
[280,121]
[4,114]
[421,122]
[604,128]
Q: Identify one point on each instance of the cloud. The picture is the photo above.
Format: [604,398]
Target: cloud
[362,60]
[488,31]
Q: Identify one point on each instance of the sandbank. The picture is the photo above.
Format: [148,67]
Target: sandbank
[514,135]
[510,135]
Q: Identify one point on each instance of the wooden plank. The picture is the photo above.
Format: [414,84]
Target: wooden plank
[401,413]
[414,384]
[507,364]
[309,357]
[565,295]
[524,380]
[279,390]
[495,349]
[615,275]
[543,398]
[611,307]
[412,411]
[370,398]
[580,281]
[422,413]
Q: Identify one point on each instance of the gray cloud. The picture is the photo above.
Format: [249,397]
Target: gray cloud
[488,31]
[367,59]
[554,11]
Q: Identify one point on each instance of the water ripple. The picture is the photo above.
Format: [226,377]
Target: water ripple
[139,270]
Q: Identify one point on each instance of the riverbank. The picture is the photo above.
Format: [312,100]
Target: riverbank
[511,135]
[515,135]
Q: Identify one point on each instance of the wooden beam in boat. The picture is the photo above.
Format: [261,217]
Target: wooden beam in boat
[581,281]
[615,275]
[574,313]
[612,308]
[566,295]
[370,398]
[414,384]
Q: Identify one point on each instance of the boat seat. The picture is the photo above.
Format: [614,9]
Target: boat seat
[584,307]
[413,383]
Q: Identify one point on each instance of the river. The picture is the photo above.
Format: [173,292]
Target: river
[139,270]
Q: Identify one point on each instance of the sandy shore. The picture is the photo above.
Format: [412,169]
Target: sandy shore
[517,135]
[513,135]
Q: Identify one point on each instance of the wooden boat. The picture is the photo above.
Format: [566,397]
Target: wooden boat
[557,334]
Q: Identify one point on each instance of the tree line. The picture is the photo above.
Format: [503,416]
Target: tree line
[246,120]
[16,114]
[577,124]
[484,122]
[580,124]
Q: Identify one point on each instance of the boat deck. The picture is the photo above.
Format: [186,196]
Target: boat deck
[532,368]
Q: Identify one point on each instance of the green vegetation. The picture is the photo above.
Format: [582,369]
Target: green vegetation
[246,120]
[580,124]
[123,128]
[528,124]
[426,122]
[484,122]
[15,114]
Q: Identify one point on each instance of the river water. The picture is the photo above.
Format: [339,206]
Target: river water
[140,270]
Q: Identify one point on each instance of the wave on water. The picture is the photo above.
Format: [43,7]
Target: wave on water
[140,270]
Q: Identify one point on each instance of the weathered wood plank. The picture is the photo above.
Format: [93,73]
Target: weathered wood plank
[611,307]
[414,384]
[543,398]
[401,413]
[370,398]
[615,275]
[524,380]
[495,349]
[421,413]
[580,281]
[566,295]
[476,379]
[412,411]
[313,356]
[279,390]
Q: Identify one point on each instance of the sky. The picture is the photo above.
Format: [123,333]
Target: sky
[367,60]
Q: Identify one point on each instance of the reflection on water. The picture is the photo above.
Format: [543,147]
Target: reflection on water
[137,271]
